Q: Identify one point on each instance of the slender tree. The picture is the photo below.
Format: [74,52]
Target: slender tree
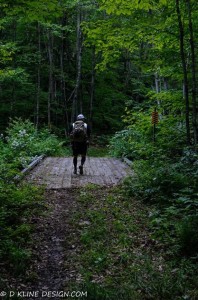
[50,43]
[185,76]
[78,62]
[92,87]
[38,76]
[63,83]
[193,68]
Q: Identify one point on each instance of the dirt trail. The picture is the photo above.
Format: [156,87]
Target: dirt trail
[53,252]
[56,240]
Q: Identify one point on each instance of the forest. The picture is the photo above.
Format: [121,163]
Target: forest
[130,66]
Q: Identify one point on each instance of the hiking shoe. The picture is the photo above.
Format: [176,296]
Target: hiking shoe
[81,170]
[75,170]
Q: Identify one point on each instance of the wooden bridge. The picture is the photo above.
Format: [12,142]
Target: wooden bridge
[57,172]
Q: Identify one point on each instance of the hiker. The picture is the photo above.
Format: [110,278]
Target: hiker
[80,134]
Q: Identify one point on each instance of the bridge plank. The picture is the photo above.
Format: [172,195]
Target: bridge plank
[57,172]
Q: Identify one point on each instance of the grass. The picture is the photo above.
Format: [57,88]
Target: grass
[93,151]
[97,151]
[119,258]
[18,205]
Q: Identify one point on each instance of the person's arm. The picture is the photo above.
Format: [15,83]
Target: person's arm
[88,132]
[70,131]
[71,128]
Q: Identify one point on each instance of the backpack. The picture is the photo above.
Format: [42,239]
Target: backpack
[79,132]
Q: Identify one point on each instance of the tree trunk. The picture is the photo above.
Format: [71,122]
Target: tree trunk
[13,97]
[157,87]
[38,77]
[79,65]
[165,84]
[193,62]
[185,76]
[63,88]
[92,87]
[63,83]
[51,89]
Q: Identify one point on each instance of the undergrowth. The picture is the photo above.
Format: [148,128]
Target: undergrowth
[22,144]
[122,257]
[17,206]
[19,202]
[165,174]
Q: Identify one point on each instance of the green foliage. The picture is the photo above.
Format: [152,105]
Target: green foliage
[136,141]
[26,143]
[159,178]
[6,52]
[121,258]
[17,204]
[97,151]
[165,172]
[127,7]
[18,148]
[32,10]
[125,143]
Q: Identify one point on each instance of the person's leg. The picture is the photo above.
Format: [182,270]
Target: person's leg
[83,158]
[83,152]
[75,156]
[75,159]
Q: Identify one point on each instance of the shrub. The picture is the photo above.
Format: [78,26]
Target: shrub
[23,137]
[136,141]
[23,145]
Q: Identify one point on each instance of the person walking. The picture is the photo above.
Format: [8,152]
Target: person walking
[80,135]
